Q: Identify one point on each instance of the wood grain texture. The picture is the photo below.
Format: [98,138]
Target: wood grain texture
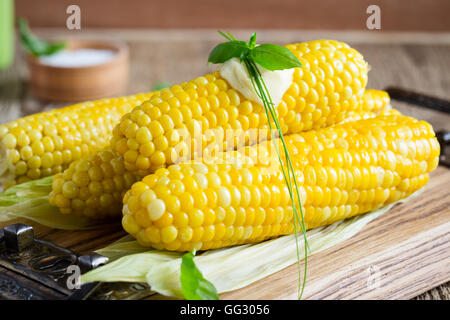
[409,246]
[261,14]
[176,56]
[421,63]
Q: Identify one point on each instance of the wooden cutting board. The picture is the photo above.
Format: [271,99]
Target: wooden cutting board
[399,255]
[407,60]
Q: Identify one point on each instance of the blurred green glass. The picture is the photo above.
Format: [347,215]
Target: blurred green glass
[6,32]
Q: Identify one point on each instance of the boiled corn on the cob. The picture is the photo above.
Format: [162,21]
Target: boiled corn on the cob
[376,101]
[373,103]
[343,170]
[46,143]
[328,87]
[94,186]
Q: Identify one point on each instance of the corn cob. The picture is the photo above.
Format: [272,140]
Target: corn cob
[373,103]
[328,87]
[81,187]
[92,187]
[46,143]
[343,170]
[376,101]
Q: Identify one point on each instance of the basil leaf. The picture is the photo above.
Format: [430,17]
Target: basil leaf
[52,48]
[226,36]
[231,36]
[34,45]
[193,284]
[227,50]
[160,85]
[274,57]
[252,41]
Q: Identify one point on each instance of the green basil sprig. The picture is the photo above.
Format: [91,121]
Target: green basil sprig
[193,284]
[35,45]
[270,56]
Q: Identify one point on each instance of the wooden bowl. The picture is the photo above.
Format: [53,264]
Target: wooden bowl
[81,83]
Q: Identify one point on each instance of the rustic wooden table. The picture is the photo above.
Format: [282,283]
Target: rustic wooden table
[414,61]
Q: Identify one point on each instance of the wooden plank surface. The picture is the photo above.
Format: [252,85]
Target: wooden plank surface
[279,14]
[420,63]
[407,249]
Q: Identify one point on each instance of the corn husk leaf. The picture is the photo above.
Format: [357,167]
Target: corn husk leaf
[122,247]
[228,268]
[29,200]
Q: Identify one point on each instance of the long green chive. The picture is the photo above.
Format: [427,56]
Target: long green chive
[270,57]
[263,93]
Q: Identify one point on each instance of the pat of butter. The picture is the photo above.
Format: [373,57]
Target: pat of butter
[277,82]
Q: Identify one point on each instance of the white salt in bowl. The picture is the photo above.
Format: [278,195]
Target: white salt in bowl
[86,70]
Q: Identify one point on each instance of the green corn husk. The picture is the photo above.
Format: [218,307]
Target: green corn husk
[29,200]
[228,268]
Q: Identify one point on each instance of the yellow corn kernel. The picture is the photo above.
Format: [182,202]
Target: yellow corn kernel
[91,193]
[327,90]
[59,137]
[350,179]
